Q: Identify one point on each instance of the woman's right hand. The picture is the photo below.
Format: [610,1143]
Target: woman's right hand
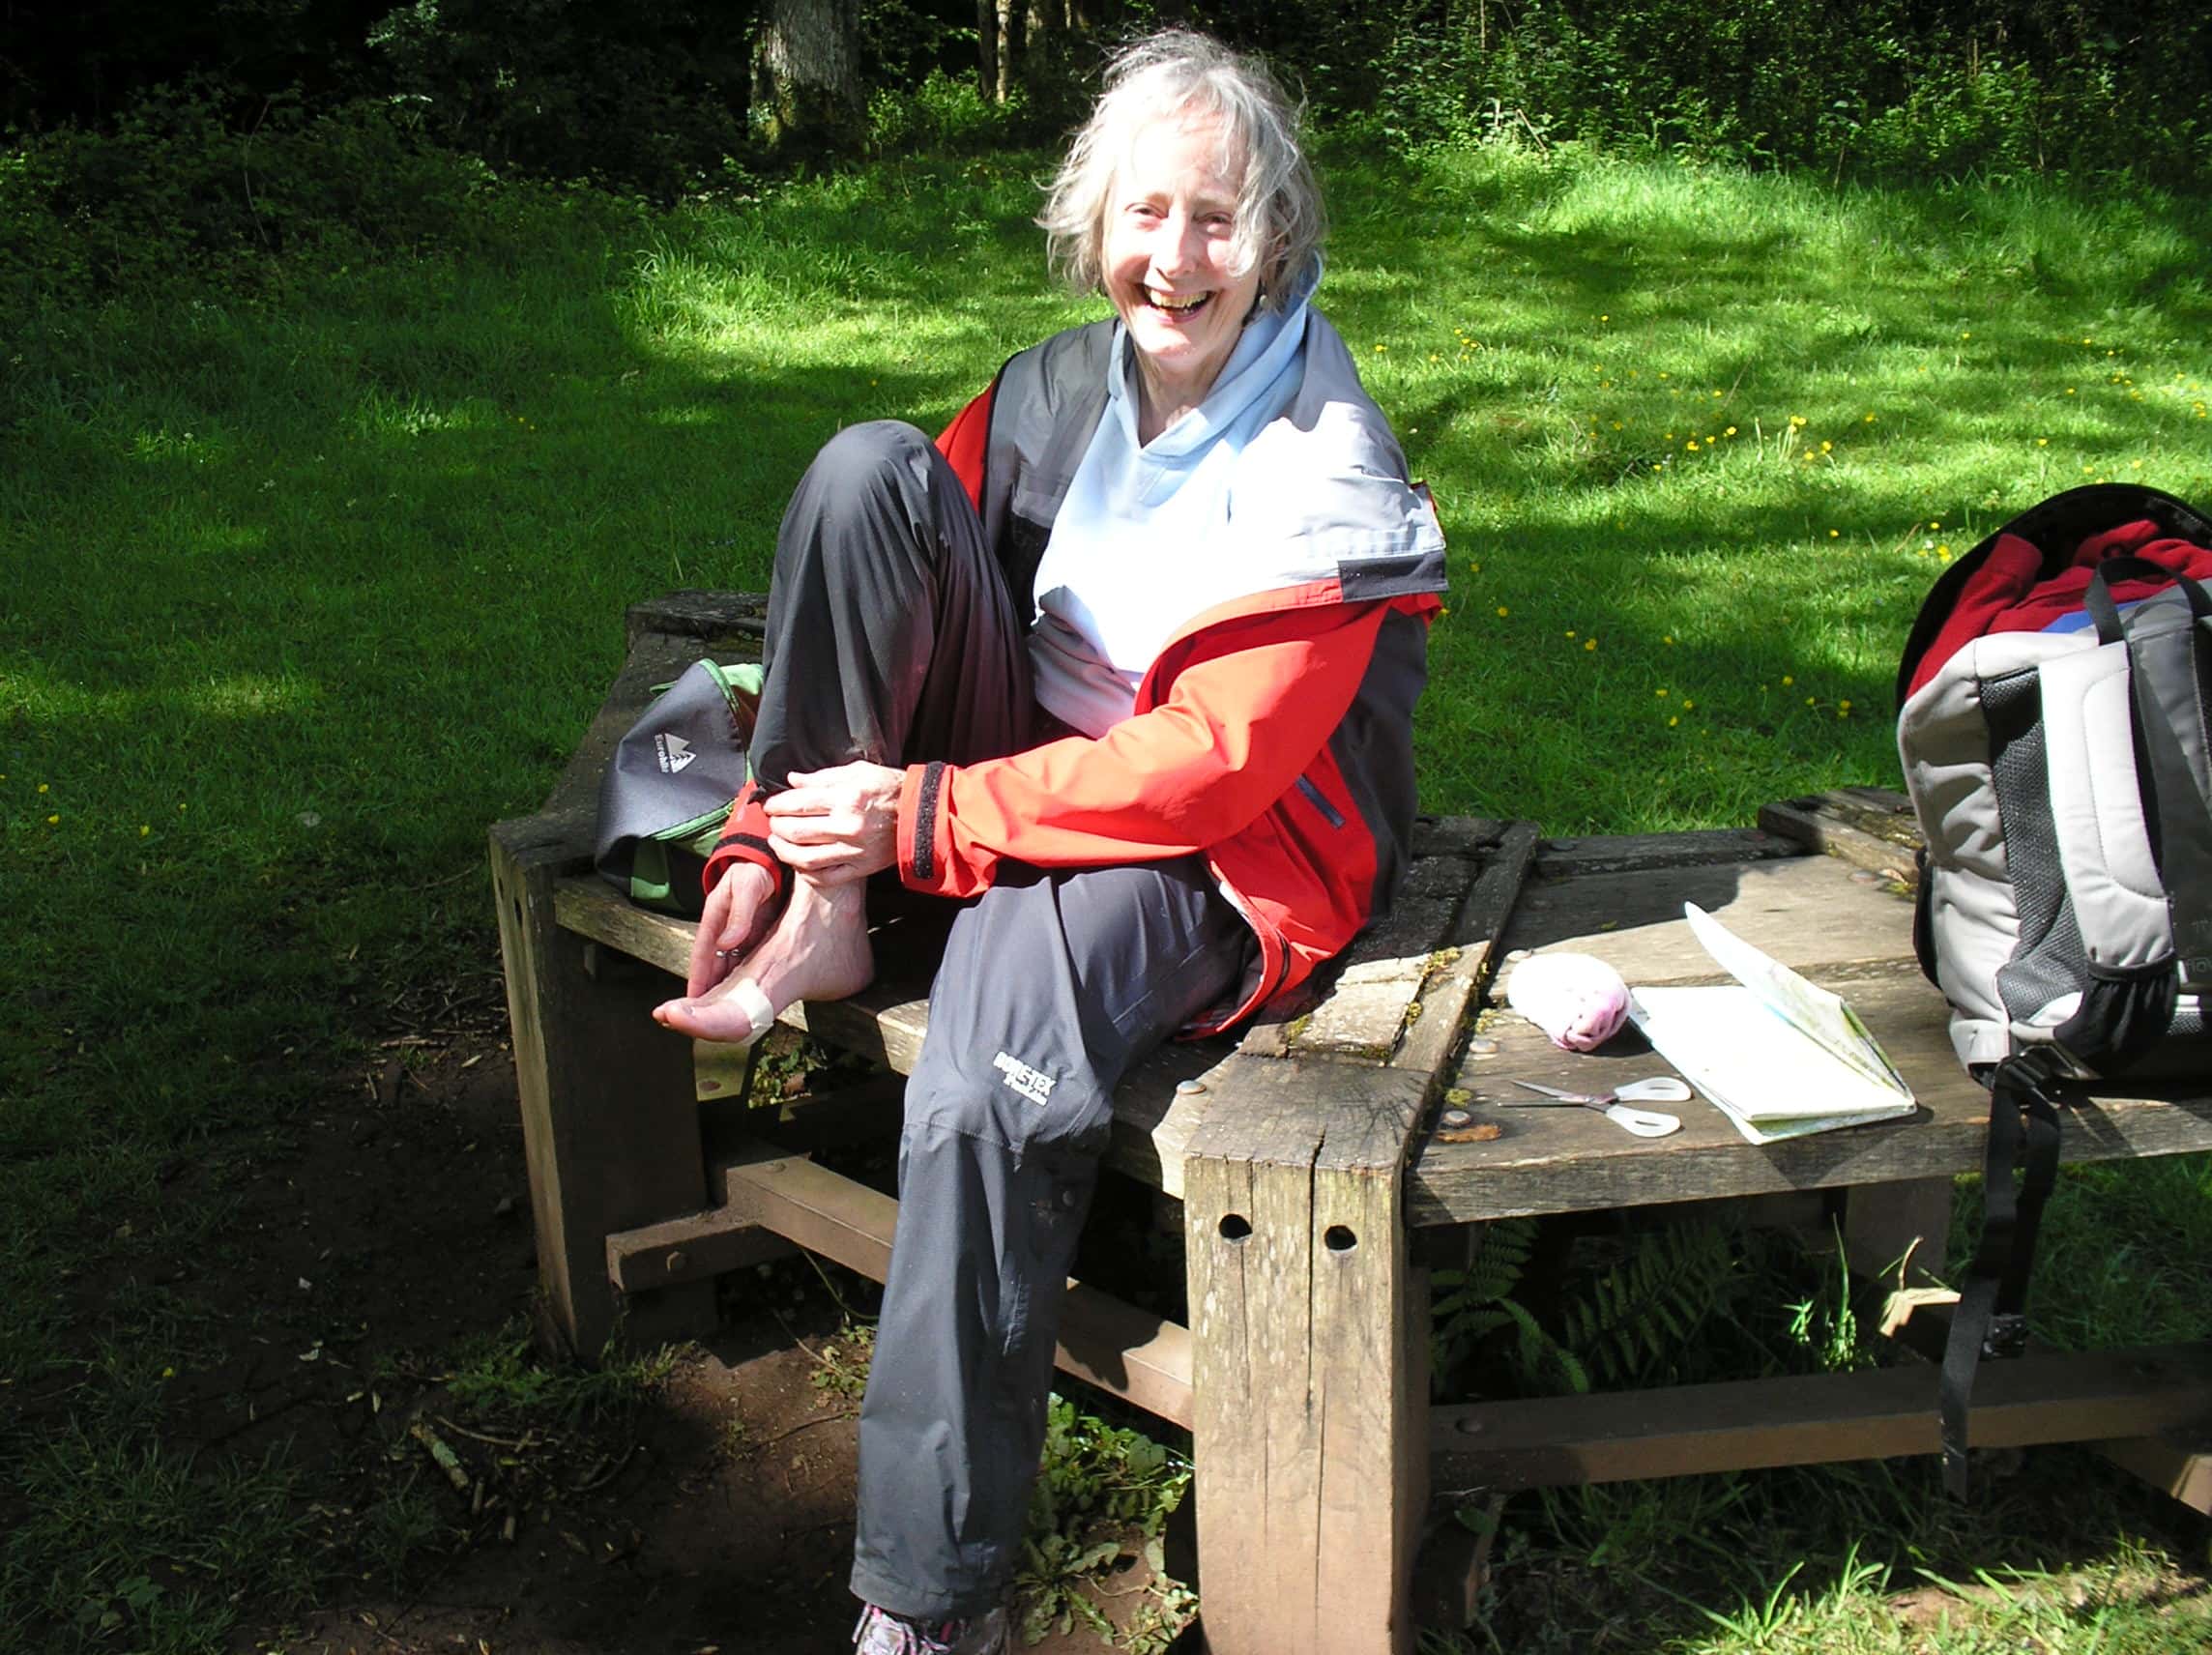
[731,919]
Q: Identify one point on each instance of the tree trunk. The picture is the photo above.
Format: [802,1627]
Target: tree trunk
[1008,69]
[987,49]
[806,77]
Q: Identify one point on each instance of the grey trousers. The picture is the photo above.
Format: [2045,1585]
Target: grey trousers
[891,637]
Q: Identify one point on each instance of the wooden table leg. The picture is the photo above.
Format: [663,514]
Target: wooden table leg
[609,1121]
[1884,1223]
[1310,1392]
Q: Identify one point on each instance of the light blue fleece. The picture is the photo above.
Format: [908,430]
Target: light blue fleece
[1146,537]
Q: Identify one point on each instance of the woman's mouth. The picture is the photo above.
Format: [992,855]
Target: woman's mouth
[1182,307]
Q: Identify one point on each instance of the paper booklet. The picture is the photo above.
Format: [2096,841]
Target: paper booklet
[1779,1056]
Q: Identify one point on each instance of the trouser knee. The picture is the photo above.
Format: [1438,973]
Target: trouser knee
[863,478]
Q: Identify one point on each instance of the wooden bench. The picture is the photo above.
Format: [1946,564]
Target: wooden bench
[1307,1161]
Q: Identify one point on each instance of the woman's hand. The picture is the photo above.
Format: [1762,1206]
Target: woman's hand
[732,920]
[837,825]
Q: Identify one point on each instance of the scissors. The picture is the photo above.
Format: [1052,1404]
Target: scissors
[1614,1104]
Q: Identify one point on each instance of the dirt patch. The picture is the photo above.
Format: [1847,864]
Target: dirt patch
[369,1256]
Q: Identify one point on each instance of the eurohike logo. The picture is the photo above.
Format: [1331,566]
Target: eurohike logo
[1022,1080]
[674,752]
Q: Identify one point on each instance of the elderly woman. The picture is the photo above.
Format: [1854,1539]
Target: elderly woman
[1128,659]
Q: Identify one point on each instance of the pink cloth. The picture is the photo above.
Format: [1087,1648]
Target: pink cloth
[1577,1000]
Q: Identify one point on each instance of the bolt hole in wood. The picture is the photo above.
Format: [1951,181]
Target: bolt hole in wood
[1339,1239]
[1234,1227]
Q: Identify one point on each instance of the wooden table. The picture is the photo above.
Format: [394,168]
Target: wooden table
[1887,1184]
[1306,1157]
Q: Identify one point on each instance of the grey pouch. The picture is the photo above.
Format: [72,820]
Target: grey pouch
[670,784]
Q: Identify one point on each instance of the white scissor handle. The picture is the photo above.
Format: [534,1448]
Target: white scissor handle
[1643,1122]
[1659,1088]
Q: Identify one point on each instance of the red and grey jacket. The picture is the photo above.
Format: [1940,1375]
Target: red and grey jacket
[1274,734]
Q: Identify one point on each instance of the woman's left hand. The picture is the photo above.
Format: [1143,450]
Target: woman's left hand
[839,824]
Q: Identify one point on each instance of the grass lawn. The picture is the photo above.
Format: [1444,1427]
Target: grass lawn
[301,589]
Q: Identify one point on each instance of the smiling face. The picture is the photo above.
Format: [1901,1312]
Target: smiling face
[1170,265]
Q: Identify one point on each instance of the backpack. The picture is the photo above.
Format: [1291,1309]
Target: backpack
[2055,698]
[668,787]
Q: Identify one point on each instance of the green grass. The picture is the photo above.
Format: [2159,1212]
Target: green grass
[301,589]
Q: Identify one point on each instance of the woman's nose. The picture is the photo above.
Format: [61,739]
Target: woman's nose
[1180,249]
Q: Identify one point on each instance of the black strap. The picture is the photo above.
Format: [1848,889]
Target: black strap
[1992,1320]
[2098,598]
[2165,683]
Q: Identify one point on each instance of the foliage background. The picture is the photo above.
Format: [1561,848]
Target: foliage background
[655,95]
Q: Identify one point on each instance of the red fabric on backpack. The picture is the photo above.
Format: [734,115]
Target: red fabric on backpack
[2007,595]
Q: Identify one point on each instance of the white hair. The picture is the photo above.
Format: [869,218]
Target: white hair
[1177,75]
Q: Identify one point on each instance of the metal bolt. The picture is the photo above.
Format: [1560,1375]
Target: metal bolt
[1456,1118]
[675,1262]
[1189,1088]
[1482,1046]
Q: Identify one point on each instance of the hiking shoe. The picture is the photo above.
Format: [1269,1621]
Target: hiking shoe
[881,1633]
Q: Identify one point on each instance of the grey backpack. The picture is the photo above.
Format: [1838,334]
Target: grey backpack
[670,784]
[2055,711]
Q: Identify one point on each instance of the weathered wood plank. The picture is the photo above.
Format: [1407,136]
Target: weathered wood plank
[1885,1225]
[1561,1160]
[1248,1227]
[1646,852]
[886,1021]
[1807,912]
[702,617]
[1839,829]
[1452,1572]
[608,1127]
[1454,836]
[1303,1358]
[1367,1006]
[2177,1462]
[1370,1362]
[697,1247]
[1132,1353]
[1460,976]
[1812,1419]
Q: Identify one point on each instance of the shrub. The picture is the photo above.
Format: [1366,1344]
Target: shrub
[635,98]
[174,188]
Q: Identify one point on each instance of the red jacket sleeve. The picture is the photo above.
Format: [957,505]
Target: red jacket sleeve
[744,839]
[962,443]
[1236,728]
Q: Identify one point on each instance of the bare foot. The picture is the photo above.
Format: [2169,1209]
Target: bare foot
[736,916]
[818,949]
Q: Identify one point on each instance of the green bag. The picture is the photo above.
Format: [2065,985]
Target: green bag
[669,786]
